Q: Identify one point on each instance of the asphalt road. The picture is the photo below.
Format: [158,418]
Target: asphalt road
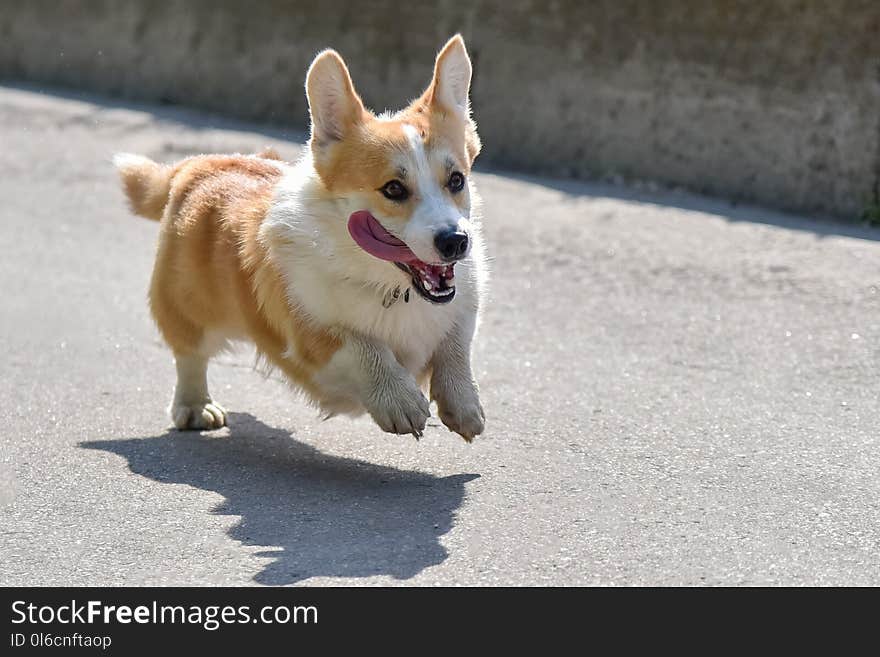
[677,391]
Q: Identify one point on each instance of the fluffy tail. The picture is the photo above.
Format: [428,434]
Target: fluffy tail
[146,184]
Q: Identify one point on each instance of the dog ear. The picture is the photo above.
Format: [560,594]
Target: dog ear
[334,106]
[451,85]
[449,92]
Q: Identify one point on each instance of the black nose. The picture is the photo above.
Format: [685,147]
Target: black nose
[451,244]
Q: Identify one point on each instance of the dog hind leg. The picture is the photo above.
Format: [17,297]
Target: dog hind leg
[192,406]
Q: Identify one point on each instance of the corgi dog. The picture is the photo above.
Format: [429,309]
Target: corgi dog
[357,271]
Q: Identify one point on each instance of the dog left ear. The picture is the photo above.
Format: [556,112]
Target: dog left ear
[449,93]
[451,85]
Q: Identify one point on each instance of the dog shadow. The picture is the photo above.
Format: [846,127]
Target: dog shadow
[318,515]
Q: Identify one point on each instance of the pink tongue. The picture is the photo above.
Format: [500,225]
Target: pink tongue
[372,237]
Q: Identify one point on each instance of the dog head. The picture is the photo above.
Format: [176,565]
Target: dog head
[403,178]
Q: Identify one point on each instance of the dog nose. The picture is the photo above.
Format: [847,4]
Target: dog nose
[451,244]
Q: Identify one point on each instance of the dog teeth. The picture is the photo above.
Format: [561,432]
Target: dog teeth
[426,285]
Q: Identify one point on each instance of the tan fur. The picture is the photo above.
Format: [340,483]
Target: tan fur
[146,184]
[270,153]
[211,271]
[444,122]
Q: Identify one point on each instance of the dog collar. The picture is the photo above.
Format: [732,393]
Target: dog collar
[391,297]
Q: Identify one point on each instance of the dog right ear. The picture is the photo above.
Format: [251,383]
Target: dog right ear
[334,106]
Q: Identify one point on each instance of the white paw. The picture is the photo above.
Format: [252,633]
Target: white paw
[204,415]
[461,412]
[400,407]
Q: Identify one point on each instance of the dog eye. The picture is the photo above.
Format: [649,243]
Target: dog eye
[395,191]
[456,182]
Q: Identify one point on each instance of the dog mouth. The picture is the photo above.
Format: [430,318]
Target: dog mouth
[436,283]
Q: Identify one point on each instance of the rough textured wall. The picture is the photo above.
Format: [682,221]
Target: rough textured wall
[775,101]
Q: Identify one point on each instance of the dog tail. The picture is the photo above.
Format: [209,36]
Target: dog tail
[269,153]
[146,183]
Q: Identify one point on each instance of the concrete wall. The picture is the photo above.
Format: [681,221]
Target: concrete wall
[775,101]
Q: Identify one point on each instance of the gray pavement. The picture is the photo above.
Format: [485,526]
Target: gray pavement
[677,391]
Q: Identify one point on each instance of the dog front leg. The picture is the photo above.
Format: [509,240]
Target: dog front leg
[367,372]
[453,386]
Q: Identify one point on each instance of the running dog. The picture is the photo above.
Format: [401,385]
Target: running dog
[357,272]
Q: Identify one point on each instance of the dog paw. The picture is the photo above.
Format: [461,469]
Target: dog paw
[401,408]
[207,415]
[462,414]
